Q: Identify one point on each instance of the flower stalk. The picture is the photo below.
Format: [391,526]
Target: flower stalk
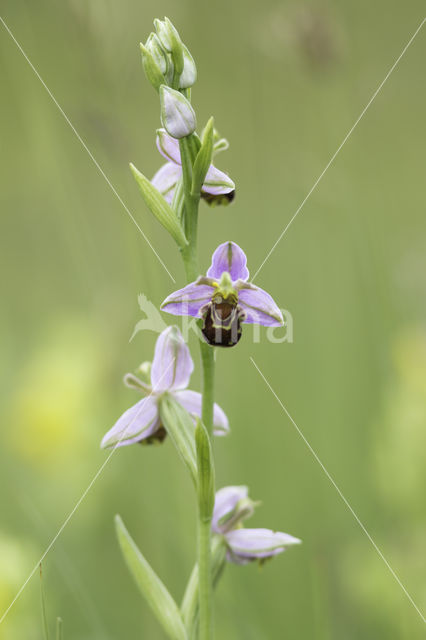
[189,255]
[222,301]
[206,498]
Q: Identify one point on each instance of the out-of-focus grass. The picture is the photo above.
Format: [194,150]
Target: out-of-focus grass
[285,82]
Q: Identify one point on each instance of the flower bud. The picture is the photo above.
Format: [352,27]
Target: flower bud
[151,67]
[160,56]
[170,40]
[189,73]
[177,114]
[163,34]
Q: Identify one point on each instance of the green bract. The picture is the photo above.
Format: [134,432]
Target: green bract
[180,427]
[203,159]
[159,207]
[206,491]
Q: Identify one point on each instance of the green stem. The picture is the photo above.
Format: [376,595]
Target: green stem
[205,587]
[187,148]
[190,215]
[207,358]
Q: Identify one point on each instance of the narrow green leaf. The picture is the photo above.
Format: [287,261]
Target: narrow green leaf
[150,585]
[159,207]
[59,629]
[180,427]
[206,479]
[203,159]
[43,607]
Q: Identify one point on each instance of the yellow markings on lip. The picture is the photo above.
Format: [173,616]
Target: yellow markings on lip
[224,289]
[224,295]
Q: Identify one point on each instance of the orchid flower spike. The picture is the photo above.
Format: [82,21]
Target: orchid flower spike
[217,187]
[224,299]
[232,506]
[169,374]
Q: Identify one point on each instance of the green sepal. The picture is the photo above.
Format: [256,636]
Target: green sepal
[206,475]
[203,159]
[188,76]
[177,47]
[151,68]
[159,207]
[150,585]
[180,427]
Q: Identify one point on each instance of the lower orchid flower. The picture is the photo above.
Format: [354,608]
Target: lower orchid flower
[232,506]
[169,374]
[224,299]
[217,188]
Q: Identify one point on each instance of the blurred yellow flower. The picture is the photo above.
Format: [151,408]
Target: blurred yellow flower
[50,409]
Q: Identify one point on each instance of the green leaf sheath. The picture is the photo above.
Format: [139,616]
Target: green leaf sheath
[150,585]
[190,603]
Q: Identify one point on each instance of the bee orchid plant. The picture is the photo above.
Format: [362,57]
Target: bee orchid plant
[222,300]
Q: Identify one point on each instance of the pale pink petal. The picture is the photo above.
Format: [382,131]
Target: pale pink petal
[172,365]
[252,544]
[231,258]
[166,178]
[226,502]
[192,402]
[258,306]
[189,300]
[168,146]
[217,182]
[137,423]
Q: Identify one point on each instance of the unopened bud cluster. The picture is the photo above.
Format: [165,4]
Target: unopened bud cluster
[171,70]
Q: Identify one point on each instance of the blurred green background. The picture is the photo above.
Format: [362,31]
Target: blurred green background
[285,82]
